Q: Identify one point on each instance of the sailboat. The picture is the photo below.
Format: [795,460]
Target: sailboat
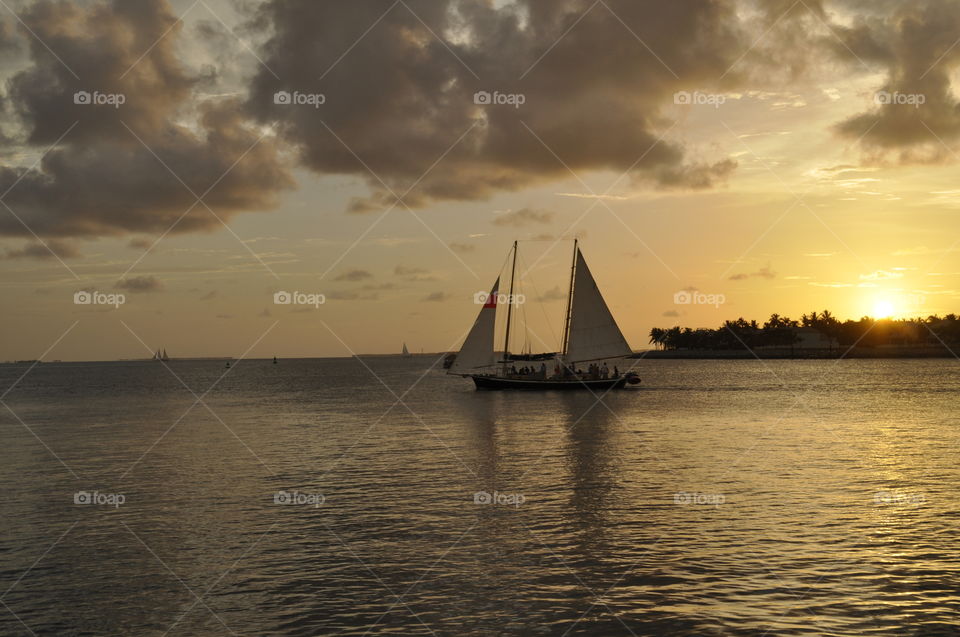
[591,337]
[405,352]
[164,357]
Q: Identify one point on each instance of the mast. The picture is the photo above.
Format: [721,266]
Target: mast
[506,336]
[566,320]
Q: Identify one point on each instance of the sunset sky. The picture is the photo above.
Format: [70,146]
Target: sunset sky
[814,166]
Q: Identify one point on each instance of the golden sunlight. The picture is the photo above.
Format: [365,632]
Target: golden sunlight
[884,308]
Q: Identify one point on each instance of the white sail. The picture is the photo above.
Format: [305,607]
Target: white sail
[477,349]
[405,351]
[593,332]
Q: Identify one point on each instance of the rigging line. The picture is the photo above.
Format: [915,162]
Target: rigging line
[543,309]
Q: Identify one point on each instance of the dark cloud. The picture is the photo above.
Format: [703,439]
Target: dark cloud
[523,217]
[436,296]
[596,81]
[354,275]
[916,43]
[763,273]
[399,98]
[140,243]
[99,179]
[413,274]
[140,284]
[48,250]
[462,248]
[553,294]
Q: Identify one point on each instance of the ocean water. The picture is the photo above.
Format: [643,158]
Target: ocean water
[380,496]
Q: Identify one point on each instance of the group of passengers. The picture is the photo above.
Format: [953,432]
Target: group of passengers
[595,371]
[530,372]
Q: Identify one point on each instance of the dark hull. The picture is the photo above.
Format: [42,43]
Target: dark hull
[493,382]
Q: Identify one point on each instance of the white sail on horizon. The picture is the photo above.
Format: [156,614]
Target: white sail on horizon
[593,332]
[477,349]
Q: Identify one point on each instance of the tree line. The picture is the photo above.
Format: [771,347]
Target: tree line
[782,331]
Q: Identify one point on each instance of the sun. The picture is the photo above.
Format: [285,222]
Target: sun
[883,308]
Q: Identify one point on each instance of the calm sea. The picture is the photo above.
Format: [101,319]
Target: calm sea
[319,497]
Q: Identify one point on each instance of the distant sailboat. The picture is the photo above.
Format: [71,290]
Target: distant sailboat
[164,357]
[405,352]
[274,360]
[590,337]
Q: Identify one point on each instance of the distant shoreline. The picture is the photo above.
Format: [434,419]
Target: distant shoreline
[680,354]
[798,354]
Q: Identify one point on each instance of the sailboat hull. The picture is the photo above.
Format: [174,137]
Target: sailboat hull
[496,382]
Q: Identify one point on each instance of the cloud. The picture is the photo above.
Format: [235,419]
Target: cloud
[763,273]
[354,275]
[462,248]
[671,314]
[209,295]
[48,250]
[401,102]
[881,275]
[915,43]
[140,284]
[140,243]
[553,294]
[99,179]
[436,296]
[402,270]
[523,217]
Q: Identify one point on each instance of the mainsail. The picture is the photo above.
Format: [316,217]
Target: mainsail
[405,351]
[477,350]
[593,333]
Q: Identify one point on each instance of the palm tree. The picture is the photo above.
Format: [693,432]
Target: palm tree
[657,336]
